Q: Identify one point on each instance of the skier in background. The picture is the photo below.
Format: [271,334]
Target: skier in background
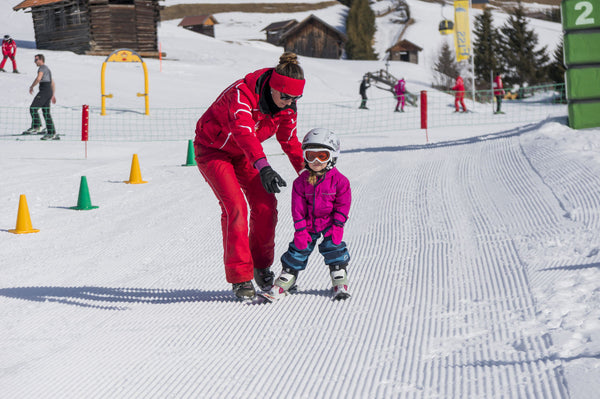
[9,50]
[364,85]
[231,159]
[320,204]
[400,89]
[459,96]
[498,93]
[42,100]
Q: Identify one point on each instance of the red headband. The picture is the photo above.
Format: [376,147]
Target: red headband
[287,85]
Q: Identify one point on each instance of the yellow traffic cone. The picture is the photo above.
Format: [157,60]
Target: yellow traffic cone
[23,218]
[135,177]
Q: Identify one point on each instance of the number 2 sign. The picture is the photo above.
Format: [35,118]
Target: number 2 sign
[580,14]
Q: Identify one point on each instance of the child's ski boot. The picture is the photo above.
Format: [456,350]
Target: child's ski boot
[339,280]
[284,284]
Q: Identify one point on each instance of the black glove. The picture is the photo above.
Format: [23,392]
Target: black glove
[271,180]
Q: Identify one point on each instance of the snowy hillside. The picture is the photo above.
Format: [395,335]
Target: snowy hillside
[475,269]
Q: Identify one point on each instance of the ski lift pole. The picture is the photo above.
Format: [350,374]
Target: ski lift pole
[472,52]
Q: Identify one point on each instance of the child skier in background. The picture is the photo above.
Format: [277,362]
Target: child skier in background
[400,89]
[320,204]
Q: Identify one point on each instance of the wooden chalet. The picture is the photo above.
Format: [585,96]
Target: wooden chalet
[277,29]
[314,38]
[204,24]
[96,27]
[404,50]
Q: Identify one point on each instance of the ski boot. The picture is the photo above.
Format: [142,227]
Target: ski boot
[244,290]
[50,136]
[264,278]
[339,280]
[285,283]
[35,130]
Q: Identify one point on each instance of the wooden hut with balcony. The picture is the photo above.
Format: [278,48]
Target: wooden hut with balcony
[314,38]
[95,27]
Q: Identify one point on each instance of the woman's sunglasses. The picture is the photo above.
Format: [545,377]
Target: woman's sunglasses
[286,97]
[321,154]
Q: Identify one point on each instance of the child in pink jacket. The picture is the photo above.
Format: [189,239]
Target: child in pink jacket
[320,204]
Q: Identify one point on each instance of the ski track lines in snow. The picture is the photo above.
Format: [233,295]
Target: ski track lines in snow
[442,300]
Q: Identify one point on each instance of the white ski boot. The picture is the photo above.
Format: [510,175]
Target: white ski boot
[284,284]
[339,280]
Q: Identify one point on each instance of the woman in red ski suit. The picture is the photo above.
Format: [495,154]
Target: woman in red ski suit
[459,97]
[9,50]
[230,156]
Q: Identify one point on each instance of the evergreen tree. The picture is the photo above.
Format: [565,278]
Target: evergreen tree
[360,29]
[557,69]
[487,49]
[524,64]
[446,68]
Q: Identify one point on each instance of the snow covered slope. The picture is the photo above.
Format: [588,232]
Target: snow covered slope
[475,268]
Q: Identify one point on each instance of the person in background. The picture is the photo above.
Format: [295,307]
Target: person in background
[321,200]
[400,89]
[364,85]
[231,159]
[42,100]
[459,96]
[498,93]
[9,50]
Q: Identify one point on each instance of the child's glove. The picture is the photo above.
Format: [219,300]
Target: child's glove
[337,233]
[301,239]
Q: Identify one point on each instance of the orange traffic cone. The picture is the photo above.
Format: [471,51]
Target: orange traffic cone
[135,177]
[23,218]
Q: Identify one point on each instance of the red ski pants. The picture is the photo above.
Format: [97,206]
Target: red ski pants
[460,100]
[12,58]
[237,186]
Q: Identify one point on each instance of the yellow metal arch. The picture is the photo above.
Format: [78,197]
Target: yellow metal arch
[123,55]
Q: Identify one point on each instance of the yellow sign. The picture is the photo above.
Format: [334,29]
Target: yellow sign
[462,29]
[124,55]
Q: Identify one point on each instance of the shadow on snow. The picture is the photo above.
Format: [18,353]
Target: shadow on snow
[103,297]
[115,298]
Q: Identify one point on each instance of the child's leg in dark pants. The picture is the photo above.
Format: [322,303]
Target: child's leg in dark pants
[337,258]
[293,261]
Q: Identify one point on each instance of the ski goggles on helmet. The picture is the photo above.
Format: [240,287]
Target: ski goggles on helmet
[311,155]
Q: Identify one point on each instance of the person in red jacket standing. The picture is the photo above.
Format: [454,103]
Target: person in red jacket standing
[9,50]
[231,159]
[498,93]
[459,97]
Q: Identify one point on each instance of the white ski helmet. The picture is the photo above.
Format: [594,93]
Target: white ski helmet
[323,138]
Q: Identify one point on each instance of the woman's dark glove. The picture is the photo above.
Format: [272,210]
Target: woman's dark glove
[271,180]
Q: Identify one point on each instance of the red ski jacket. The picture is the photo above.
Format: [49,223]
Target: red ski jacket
[238,121]
[9,48]
[459,88]
[498,86]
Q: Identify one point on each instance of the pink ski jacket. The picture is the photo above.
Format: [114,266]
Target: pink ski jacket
[400,87]
[321,205]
